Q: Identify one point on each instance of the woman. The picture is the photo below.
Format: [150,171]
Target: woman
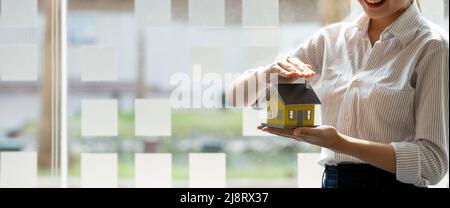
[383,83]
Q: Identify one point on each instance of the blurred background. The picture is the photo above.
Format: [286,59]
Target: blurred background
[147,57]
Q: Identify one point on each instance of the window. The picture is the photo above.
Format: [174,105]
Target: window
[280,115]
[308,115]
[291,115]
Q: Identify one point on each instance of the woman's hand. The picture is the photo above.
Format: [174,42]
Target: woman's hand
[288,69]
[377,154]
[324,136]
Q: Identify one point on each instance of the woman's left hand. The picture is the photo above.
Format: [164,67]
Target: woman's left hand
[324,136]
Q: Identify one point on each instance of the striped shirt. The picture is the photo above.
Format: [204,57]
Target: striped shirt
[394,92]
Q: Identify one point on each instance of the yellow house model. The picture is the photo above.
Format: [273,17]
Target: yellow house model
[291,106]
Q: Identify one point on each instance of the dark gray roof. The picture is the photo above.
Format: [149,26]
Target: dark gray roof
[297,94]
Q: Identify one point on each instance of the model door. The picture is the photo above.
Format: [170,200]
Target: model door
[300,118]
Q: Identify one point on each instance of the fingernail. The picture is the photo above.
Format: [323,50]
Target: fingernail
[297,132]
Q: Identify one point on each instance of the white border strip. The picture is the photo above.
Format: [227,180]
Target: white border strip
[63,116]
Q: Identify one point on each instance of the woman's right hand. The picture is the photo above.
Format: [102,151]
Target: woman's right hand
[288,69]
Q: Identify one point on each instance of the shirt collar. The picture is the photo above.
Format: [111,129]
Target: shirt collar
[403,28]
[362,23]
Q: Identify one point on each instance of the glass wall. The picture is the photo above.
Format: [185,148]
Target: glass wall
[144,105]
[28,92]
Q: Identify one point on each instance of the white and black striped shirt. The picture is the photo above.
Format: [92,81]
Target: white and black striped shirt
[395,92]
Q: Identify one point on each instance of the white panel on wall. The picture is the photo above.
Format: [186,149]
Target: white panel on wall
[19,13]
[309,172]
[207,13]
[98,63]
[99,170]
[262,37]
[211,59]
[260,13]
[259,56]
[19,35]
[153,171]
[434,11]
[18,62]
[251,119]
[152,13]
[99,118]
[18,169]
[207,170]
[153,117]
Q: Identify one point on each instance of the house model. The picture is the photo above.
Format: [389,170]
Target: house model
[291,106]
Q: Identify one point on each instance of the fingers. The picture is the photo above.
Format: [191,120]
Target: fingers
[284,132]
[281,131]
[288,133]
[310,71]
[280,71]
[311,132]
[295,62]
[291,69]
[288,67]
[279,75]
[304,70]
[282,135]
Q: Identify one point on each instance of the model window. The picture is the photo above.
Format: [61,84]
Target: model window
[308,115]
[291,115]
[280,115]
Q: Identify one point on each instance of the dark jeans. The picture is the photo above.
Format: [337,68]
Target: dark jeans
[360,176]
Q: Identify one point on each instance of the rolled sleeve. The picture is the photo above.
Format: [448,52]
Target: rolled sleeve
[408,166]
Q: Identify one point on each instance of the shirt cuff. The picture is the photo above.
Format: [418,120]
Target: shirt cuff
[407,157]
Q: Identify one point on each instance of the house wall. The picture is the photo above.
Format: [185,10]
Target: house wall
[295,108]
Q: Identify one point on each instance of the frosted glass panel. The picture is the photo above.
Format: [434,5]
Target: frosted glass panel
[207,170]
[18,13]
[153,117]
[259,56]
[12,64]
[260,13]
[98,63]
[153,171]
[262,37]
[150,13]
[207,13]
[251,120]
[99,170]
[99,117]
[211,59]
[309,171]
[18,169]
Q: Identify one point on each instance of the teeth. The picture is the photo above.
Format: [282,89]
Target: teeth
[374,1]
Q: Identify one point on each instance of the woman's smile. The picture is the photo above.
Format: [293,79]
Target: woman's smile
[374,3]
